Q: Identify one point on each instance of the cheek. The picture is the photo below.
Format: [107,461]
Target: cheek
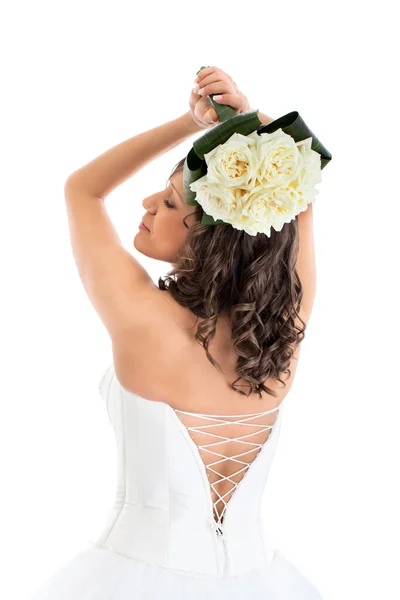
[172,222]
[170,230]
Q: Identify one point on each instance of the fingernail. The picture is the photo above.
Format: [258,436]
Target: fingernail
[217,98]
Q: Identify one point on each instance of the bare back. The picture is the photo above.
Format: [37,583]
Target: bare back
[172,367]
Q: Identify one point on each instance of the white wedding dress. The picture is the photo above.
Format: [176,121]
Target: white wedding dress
[164,538]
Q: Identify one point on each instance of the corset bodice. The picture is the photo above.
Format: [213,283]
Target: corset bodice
[170,470]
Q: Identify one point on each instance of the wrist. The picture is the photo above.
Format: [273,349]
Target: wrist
[189,124]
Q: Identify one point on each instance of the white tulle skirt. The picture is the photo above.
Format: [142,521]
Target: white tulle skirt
[101,574]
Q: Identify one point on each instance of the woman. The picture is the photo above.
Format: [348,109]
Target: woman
[201,366]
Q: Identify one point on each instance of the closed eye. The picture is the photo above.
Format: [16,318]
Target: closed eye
[168,204]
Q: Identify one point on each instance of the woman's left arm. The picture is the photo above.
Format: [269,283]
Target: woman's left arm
[112,168]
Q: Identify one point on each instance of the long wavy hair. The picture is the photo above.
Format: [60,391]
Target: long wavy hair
[223,271]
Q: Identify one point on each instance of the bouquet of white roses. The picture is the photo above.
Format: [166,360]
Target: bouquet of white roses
[256,182]
[254,176]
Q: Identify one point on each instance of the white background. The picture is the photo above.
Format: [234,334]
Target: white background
[80,77]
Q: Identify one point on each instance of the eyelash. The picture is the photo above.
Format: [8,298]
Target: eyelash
[168,204]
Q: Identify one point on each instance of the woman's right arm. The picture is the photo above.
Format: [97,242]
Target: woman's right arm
[305,264]
[265,119]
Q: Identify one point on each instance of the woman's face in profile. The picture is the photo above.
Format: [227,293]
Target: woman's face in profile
[164,218]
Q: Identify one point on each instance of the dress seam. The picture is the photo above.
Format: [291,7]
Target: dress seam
[123,451]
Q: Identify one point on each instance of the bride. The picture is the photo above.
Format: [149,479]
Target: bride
[203,361]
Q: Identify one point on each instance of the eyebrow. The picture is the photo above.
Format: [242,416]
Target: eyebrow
[171,184]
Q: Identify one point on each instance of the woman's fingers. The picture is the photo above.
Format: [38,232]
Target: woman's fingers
[231,100]
[214,78]
[212,116]
[206,71]
[219,87]
[204,111]
[212,71]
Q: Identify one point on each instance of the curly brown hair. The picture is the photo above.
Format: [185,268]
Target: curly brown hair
[253,279]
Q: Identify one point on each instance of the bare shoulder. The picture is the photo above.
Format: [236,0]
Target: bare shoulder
[147,357]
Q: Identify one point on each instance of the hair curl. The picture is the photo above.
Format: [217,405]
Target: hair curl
[220,270]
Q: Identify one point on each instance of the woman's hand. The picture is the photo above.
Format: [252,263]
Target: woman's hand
[212,80]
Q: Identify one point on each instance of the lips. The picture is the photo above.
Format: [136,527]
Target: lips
[144,225]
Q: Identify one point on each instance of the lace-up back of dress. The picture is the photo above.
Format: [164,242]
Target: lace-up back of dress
[228,445]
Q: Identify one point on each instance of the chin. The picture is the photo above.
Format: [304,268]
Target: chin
[141,247]
[137,244]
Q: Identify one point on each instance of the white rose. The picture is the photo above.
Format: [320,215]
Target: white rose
[310,175]
[233,163]
[279,160]
[271,206]
[219,201]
